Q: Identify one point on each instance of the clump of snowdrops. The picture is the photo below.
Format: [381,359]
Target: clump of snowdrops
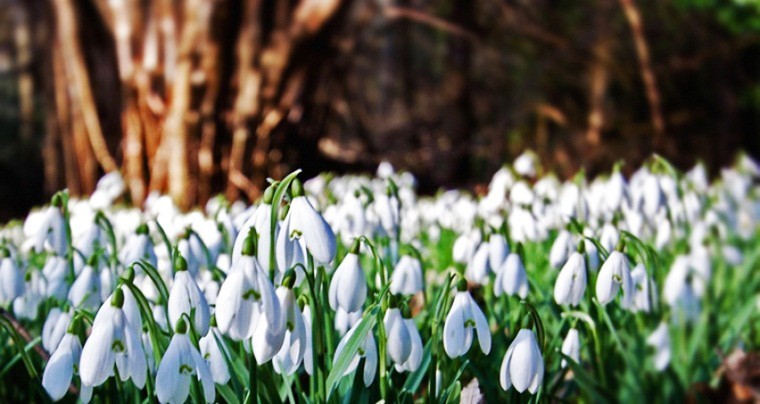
[354,289]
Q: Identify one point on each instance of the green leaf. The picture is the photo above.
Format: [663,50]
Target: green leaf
[227,394]
[415,378]
[586,382]
[19,356]
[349,350]
[454,382]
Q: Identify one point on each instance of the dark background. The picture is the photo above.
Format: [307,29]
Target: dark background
[449,90]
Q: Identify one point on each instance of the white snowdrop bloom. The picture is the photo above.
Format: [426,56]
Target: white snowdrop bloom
[181,361]
[261,222]
[344,320]
[290,249]
[348,287]
[11,278]
[414,360]
[289,358]
[465,246]
[465,321]
[614,275]
[54,272]
[304,219]
[399,341]
[308,354]
[214,356]
[186,297]
[108,189]
[138,247]
[615,192]
[85,291]
[525,164]
[523,365]
[47,231]
[511,278]
[660,341]
[387,208]
[268,337]
[27,305]
[191,252]
[521,194]
[385,170]
[367,350]
[115,340]
[644,291]
[697,177]
[592,255]
[653,197]
[478,267]
[561,248]
[522,225]
[351,221]
[700,263]
[610,237]
[664,233]
[61,366]
[571,346]
[678,291]
[498,250]
[55,327]
[406,278]
[245,297]
[732,255]
[571,282]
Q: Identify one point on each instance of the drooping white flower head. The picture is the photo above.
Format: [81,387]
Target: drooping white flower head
[246,296]
[613,276]
[304,219]
[55,327]
[348,287]
[414,360]
[498,250]
[478,267]
[523,365]
[61,366]
[571,282]
[367,350]
[181,361]
[561,248]
[511,277]
[186,297]
[54,271]
[344,320]
[464,322]
[644,290]
[115,341]
[398,338]
[571,346]
[214,354]
[406,278]
[11,278]
[289,358]
[138,247]
[525,164]
[85,291]
[660,341]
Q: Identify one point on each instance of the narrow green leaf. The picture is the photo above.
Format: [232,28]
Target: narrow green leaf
[349,350]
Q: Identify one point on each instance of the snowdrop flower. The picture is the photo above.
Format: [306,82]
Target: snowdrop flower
[304,219]
[399,341]
[465,246]
[115,340]
[181,361]
[308,356]
[348,287]
[571,282]
[47,230]
[610,237]
[511,277]
[386,206]
[660,341]
[465,319]
[614,275]
[367,350]
[643,286]
[260,221]
[55,271]
[653,196]
[571,346]
[562,247]
[11,278]
[61,366]
[213,354]
[287,360]
[498,250]
[268,337]
[246,296]
[137,247]
[678,291]
[525,164]
[407,276]
[26,305]
[54,329]
[615,192]
[344,320]
[478,268]
[186,297]
[85,291]
[414,360]
[108,189]
[523,365]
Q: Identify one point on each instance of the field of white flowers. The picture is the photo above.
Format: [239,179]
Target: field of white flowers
[355,289]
